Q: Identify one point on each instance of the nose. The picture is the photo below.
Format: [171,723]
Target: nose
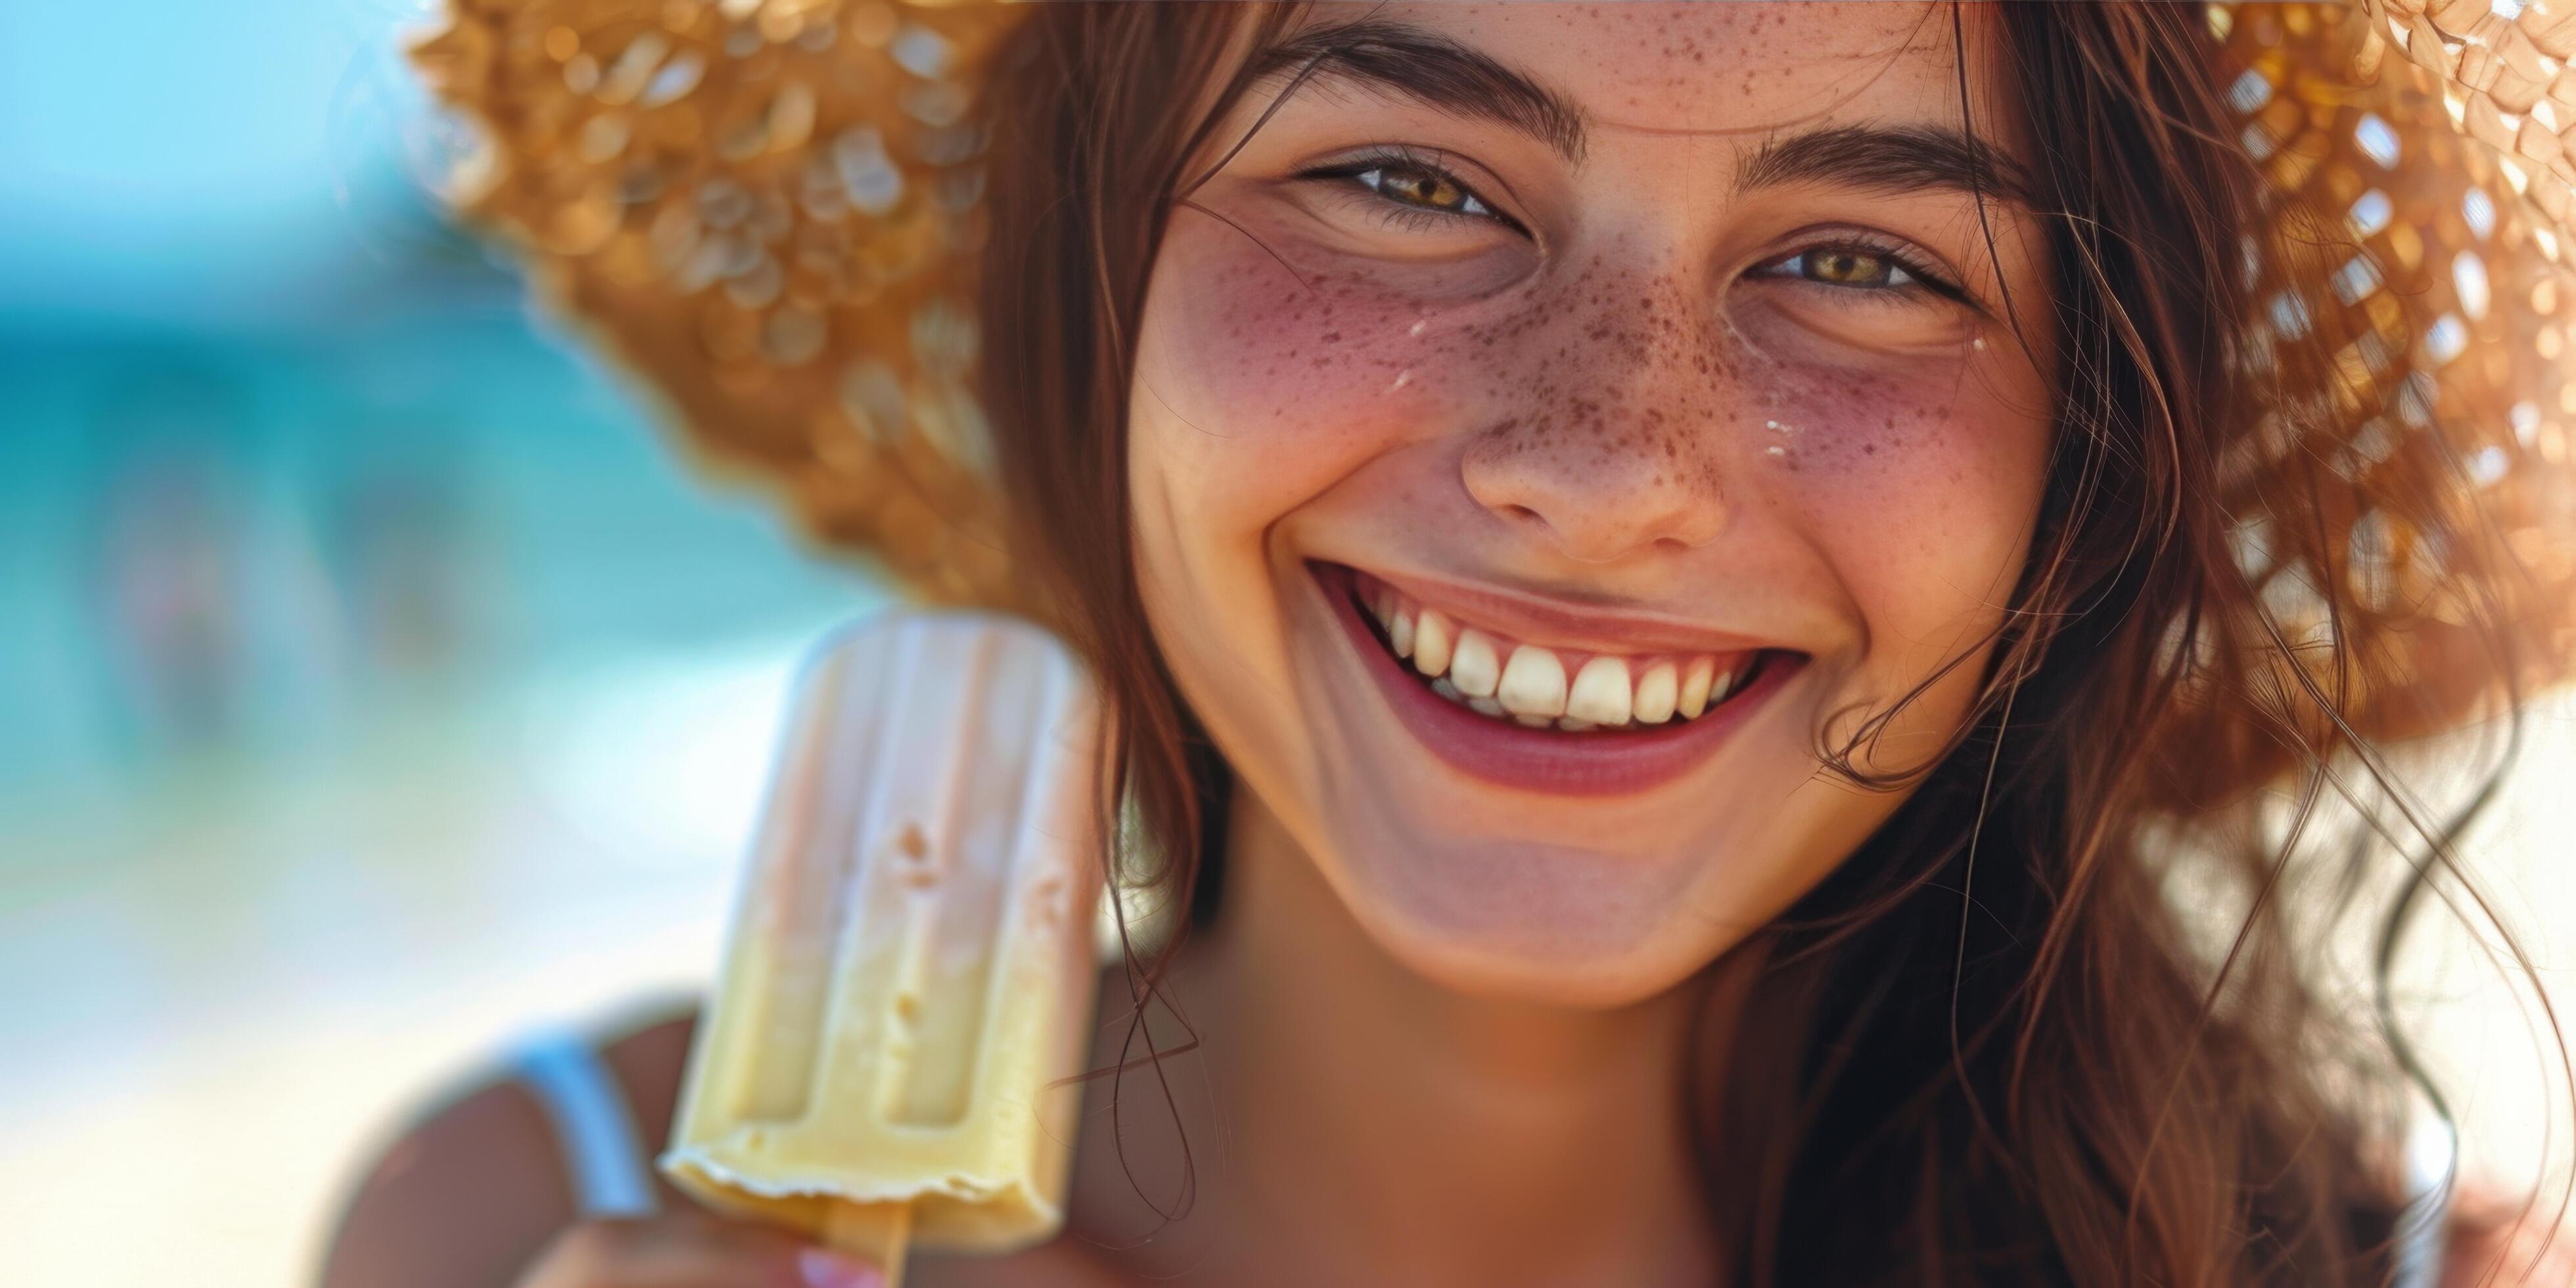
[1601,483]
[1614,421]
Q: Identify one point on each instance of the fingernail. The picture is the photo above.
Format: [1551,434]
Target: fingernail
[823,1270]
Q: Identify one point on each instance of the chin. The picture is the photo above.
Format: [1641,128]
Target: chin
[1524,920]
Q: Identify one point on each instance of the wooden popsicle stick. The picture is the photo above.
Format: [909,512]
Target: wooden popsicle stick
[876,1231]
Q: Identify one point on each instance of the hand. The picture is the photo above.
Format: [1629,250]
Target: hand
[690,1250]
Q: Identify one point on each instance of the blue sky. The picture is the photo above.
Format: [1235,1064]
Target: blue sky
[209,163]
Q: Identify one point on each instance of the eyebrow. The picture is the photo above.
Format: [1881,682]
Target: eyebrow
[1410,62]
[1889,159]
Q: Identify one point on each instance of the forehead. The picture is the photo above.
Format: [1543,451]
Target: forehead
[1731,67]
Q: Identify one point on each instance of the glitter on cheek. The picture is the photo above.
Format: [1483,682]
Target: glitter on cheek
[1924,467]
[1863,429]
[1916,480]
[1841,417]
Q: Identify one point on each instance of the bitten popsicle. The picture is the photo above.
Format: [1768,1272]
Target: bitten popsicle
[909,980]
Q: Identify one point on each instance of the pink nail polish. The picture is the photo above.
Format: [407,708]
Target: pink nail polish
[823,1270]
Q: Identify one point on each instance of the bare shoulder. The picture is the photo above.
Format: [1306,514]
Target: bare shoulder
[470,1193]
[2494,1241]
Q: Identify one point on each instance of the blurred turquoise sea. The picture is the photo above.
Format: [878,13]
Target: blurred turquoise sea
[377,684]
[375,681]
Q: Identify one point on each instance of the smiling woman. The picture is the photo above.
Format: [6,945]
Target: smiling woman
[1677,588]
[1635,508]
[1639,395]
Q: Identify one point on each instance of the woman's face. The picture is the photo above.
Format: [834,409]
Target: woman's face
[1552,420]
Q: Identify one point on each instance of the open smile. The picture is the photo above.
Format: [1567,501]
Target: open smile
[1546,712]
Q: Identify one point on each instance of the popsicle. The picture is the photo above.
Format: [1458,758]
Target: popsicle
[909,981]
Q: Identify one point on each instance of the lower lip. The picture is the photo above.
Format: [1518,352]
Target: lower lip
[1606,763]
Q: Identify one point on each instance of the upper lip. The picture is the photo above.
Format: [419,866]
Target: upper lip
[1558,622]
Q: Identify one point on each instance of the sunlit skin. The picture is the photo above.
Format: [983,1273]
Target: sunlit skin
[1628,382]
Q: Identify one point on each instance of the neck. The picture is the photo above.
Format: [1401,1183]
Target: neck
[1359,1124]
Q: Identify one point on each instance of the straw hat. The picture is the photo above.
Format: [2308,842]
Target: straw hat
[768,209]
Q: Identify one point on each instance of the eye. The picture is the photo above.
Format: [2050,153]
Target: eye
[1859,269]
[1410,189]
[1423,188]
[1852,266]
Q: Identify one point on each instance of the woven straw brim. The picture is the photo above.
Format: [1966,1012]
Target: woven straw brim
[767,211]
[2412,139]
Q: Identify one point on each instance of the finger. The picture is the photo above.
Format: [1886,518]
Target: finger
[691,1251]
[820,1269]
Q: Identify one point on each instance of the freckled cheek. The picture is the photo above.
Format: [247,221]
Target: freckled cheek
[1256,390]
[1923,495]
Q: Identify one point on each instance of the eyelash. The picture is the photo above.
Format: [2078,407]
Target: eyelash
[1401,214]
[1396,213]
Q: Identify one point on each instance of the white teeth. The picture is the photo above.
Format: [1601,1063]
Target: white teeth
[1467,666]
[1432,638]
[1600,694]
[1473,665]
[1693,696]
[1533,683]
[1657,690]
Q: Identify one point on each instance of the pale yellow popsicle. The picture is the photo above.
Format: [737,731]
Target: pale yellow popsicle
[909,979]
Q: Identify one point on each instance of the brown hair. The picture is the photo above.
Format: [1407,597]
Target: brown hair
[1984,1049]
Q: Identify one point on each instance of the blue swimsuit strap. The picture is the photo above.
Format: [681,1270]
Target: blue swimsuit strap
[581,1098]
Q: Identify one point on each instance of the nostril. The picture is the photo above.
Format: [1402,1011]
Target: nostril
[1513,511]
